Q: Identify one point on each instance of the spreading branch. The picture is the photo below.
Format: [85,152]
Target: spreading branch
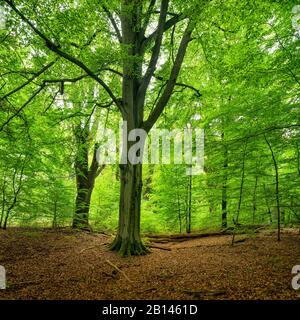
[29,80]
[168,25]
[156,49]
[162,102]
[184,85]
[56,48]
[148,15]
[113,22]
[22,107]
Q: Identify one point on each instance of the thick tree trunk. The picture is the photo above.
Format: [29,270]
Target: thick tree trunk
[128,241]
[85,187]
[85,177]
[82,207]
[82,203]
[134,89]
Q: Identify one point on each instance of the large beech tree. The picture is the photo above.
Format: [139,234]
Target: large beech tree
[140,28]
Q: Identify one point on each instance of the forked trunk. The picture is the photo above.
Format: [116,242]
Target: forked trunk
[135,84]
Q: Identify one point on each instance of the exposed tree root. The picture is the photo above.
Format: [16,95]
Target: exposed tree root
[128,248]
[82,226]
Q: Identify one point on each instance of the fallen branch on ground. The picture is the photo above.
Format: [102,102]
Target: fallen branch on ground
[157,247]
[92,247]
[165,238]
[118,269]
[240,240]
[183,237]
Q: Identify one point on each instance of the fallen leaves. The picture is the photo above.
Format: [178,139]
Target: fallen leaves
[68,265]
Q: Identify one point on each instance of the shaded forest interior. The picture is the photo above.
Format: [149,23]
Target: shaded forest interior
[72,73]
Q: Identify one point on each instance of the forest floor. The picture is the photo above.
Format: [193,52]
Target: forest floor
[65,264]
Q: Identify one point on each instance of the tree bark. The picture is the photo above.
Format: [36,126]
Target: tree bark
[82,203]
[134,89]
[128,241]
[85,178]
[84,191]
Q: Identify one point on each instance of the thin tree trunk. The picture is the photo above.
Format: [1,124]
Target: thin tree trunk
[54,221]
[9,210]
[189,213]
[254,199]
[179,213]
[298,159]
[16,189]
[148,189]
[276,188]
[224,188]
[267,204]
[3,202]
[236,222]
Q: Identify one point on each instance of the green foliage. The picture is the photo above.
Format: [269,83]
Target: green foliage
[242,72]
